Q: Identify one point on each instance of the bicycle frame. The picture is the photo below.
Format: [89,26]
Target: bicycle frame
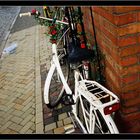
[80,90]
[55,65]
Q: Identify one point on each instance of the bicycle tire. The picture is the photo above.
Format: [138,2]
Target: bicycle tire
[98,130]
[56,89]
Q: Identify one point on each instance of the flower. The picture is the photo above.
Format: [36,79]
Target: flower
[54,32]
[33,11]
[83,45]
[52,41]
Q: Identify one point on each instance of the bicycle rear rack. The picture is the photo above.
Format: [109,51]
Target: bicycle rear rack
[98,95]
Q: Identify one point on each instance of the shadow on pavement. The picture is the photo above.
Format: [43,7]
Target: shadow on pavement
[25,22]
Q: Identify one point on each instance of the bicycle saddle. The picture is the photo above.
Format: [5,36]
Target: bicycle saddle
[77,54]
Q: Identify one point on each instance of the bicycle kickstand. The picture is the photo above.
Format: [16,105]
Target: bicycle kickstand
[67,99]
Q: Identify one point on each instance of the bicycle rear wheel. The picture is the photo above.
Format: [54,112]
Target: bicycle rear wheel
[56,88]
[100,123]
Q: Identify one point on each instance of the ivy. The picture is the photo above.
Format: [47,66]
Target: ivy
[54,29]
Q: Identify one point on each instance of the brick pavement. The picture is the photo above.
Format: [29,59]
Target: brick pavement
[20,96]
[22,76]
[56,120]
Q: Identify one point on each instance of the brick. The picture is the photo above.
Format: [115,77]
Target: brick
[59,130]
[39,128]
[113,77]
[104,13]
[126,41]
[130,94]
[16,119]
[18,107]
[134,102]
[129,29]
[15,127]
[128,110]
[131,60]
[109,9]
[67,121]
[133,86]
[130,70]
[109,35]
[138,38]
[116,19]
[138,16]
[27,119]
[124,19]
[28,106]
[49,120]
[6,131]
[131,50]
[110,27]
[132,116]
[29,131]
[39,117]
[18,101]
[62,116]
[112,86]
[130,79]
[5,126]
[49,132]
[26,128]
[50,126]
[59,123]
[26,113]
[125,9]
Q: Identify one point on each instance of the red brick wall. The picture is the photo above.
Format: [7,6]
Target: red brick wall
[118,37]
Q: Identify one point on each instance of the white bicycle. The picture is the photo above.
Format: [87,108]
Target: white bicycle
[92,104]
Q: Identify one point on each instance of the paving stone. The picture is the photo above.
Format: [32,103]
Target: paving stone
[27,119]
[33,127]
[26,128]
[27,106]
[59,130]
[6,131]
[6,125]
[15,127]
[26,113]
[16,119]
[39,117]
[28,100]
[66,108]
[18,101]
[6,117]
[67,121]
[29,131]
[57,112]
[18,107]
[17,113]
[62,116]
[39,108]
[49,132]
[39,128]
[59,123]
[50,126]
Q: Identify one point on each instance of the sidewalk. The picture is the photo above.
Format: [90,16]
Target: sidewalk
[22,77]
[20,94]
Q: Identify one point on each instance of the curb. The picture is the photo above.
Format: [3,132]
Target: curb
[38,94]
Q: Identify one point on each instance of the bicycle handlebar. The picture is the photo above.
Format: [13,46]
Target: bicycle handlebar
[49,19]
[25,14]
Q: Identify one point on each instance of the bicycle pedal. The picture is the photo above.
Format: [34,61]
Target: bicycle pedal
[67,100]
